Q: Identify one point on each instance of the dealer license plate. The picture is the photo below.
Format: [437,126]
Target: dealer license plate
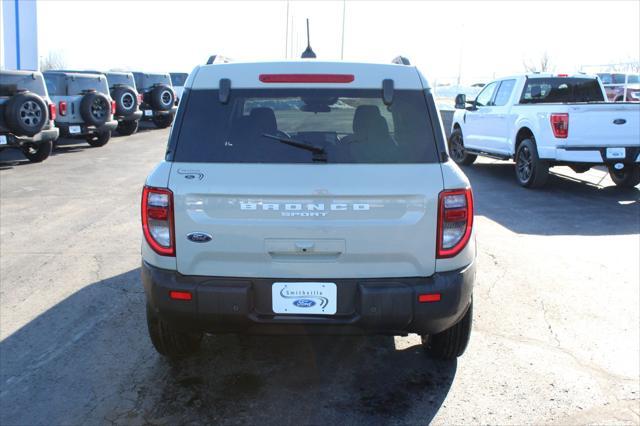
[74,130]
[3,140]
[304,298]
[616,153]
[148,113]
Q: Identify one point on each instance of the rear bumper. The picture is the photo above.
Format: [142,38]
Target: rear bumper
[157,113]
[595,154]
[134,116]
[46,135]
[86,129]
[365,306]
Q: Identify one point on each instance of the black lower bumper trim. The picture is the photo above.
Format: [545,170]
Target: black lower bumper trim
[364,306]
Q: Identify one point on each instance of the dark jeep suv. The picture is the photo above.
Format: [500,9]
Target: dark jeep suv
[26,114]
[158,98]
[85,108]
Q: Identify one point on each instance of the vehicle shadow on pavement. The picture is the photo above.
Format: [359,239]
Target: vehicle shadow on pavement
[565,206]
[89,360]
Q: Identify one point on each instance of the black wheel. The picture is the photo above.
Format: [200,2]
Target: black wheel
[126,100]
[628,177]
[95,108]
[37,153]
[126,128]
[168,341]
[457,151]
[162,121]
[452,342]
[98,139]
[531,171]
[162,97]
[26,114]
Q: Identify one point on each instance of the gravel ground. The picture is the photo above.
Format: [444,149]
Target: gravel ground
[555,339]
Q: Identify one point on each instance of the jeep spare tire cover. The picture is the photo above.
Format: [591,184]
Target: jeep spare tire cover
[162,97]
[95,108]
[26,114]
[126,100]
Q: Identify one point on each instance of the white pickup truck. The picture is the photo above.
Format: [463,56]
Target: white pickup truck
[544,120]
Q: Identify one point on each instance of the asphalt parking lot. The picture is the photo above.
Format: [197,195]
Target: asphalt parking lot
[555,340]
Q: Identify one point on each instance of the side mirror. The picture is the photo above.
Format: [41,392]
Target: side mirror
[461,101]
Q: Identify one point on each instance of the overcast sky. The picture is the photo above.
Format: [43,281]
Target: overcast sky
[482,39]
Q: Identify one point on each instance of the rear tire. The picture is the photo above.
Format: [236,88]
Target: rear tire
[628,177]
[168,341]
[531,171]
[162,121]
[457,151]
[126,128]
[99,139]
[38,153]
[452,342]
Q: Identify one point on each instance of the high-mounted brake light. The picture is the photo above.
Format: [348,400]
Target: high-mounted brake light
[52,112]
[62,108]
[455,221]
[157,220]
[560,125]
[306,78]
[113,107]
[563,75]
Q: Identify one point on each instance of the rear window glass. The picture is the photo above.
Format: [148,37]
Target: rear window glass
[124,79]
[146,81]
[561,90]
[351,126]
[178,78]
[10,84]
[66,85]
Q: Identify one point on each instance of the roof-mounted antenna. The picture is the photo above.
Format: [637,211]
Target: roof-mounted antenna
[308,53]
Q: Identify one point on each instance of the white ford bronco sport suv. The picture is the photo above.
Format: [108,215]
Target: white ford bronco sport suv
[546,120]
[307,197]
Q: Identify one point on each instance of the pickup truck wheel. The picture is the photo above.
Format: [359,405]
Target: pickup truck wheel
[628,177]
[38,153]
[168,341]
[162,121]
[98,139]
[452,342]
[457,151]
[126,128]
[531,171]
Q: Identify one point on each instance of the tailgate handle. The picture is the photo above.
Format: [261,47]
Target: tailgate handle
[304,245]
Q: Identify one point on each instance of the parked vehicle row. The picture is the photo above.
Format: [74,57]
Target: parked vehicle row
[38,108]
[545,120]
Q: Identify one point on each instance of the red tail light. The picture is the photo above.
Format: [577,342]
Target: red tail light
[560,125]
[180,295]
[455,221]
[306,78]
[113,107]
[52,112]
[157,220]
[563,75]
[62,108]
[140,98]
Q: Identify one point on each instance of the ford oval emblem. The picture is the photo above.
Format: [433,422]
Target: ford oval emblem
[199,237]
[619,121]
[304,303]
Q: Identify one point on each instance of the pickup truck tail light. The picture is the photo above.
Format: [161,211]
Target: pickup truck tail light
[52,112]
[113,107]
[62,108]
[157,220]
[455,221]
[560,125]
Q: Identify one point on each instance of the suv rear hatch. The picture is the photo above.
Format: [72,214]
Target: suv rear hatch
[366,206]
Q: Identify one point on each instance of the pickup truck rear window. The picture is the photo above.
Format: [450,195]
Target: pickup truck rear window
[561,90]
[350,126]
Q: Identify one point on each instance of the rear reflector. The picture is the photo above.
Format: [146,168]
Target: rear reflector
[180,295]
[560,125]
[306,78]
[431,297]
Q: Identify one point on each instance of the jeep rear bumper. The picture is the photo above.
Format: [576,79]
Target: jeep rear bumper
[86,129]
[134,116]
[158,113]
[46,135]
[364,306]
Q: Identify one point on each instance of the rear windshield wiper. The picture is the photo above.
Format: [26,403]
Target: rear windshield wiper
[319,154]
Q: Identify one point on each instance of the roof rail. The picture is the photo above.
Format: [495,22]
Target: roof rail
[401,60]
[218,59]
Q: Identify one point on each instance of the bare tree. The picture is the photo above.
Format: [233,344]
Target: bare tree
[53,61]
[543,64]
